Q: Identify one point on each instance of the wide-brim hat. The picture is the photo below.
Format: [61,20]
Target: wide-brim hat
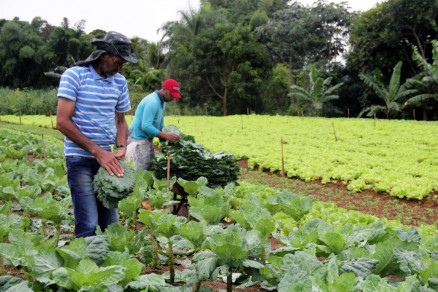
[114,43]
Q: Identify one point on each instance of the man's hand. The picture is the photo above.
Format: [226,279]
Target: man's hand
[171,137]
[108,160]
[121,152]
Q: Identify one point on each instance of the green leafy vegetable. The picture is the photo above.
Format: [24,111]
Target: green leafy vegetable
[191,161]
[111,189]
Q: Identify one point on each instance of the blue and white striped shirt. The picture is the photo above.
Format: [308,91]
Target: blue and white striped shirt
[97,100]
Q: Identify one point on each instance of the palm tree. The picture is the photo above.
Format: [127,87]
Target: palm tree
[391,94]
[318,91]
[426,82]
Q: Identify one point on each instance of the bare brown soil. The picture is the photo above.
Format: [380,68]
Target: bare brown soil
[409,212]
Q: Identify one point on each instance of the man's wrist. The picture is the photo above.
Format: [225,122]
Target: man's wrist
[121,146]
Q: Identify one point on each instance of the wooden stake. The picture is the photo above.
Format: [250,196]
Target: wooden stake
[20,117]
[375,118]
[413,112]
[179,115]
[348,112]
[334,131]
[168,172]
[44,146]
[282,158]
[247,111]
[206,111]
[241,119]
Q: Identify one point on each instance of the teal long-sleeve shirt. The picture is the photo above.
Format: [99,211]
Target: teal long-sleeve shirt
[149,117]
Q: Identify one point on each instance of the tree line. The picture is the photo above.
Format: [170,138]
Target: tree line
[260,56]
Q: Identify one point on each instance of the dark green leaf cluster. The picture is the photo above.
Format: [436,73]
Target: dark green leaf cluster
[191,161]
[110,189]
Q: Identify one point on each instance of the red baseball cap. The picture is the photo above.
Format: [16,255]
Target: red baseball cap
[173,87]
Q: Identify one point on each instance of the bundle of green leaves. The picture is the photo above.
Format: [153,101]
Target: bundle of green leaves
[110,189]
[191,161]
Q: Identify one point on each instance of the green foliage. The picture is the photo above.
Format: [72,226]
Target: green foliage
[316,93]
[296,37]
[254,217]
[218,61]
[210,206]
[332,250]
[111,189]
[190,161]
[385,35]
[392,94]
[425,84]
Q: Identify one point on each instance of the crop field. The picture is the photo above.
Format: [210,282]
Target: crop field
[394,157]
[270,239]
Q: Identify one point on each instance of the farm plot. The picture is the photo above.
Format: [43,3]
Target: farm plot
[317,246]
[395,157]
[389,156]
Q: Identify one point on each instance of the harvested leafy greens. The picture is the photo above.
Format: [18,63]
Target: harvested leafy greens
[111,189]
[191,161]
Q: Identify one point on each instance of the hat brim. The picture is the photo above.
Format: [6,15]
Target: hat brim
[101,44]
[175,95]
[131,58]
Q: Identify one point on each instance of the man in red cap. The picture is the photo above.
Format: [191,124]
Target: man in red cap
[148,122]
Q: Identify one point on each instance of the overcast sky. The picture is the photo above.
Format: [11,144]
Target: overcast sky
[140,18]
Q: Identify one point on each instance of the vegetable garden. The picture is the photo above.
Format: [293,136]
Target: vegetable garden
[388,156]
[251,236]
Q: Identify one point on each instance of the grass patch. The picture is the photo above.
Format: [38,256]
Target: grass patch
[33,130]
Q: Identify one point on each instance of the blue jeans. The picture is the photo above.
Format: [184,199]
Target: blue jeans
[88,210]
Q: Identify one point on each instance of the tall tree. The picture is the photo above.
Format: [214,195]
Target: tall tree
[385,35]
[227,65]
[23,54]
[299,35]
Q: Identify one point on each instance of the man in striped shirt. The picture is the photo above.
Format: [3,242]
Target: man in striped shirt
[92,100]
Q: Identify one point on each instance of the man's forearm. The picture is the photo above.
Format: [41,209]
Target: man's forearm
[122,130]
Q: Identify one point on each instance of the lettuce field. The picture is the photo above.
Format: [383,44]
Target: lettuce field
[244,237]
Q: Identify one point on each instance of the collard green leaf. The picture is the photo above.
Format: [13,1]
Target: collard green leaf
[191,161]
[409,261]
[110,189]
[97,248]
[132,267]
[150,282]
[44,264]
[295,280]
[345,282]
[410,236]
[228,246]
[7,282]
[87,273]
[74,252]
[334,241]
[374,283]
[362,267]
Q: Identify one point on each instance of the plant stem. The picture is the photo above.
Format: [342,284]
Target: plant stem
[2,266]
[230,282]
[170,262]
[154,251]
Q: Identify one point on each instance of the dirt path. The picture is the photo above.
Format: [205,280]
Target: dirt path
[409,212]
